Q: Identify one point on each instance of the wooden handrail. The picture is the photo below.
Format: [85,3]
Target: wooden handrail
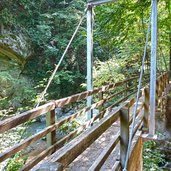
[89,136]
[36,112]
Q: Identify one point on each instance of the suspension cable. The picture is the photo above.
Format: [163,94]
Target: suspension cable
[164,60]
[137,96]
[61,59]
[56,68]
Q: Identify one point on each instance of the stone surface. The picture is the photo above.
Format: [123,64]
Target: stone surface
[14,51]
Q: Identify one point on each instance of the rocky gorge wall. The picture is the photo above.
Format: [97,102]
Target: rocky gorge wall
[15,50]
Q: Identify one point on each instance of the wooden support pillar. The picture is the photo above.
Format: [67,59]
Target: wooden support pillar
[89,57]
[146,108]
[124,134]
[162,83]
[160,86]
[126,86]
[157,92]
[101,108]
[50,120]
[153,67]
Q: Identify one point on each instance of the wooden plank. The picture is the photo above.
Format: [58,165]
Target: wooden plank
[31,114]
[11,151]
[105,154]
[124,134]
[80,113]
[26,116]
[132,101]
[146,108]
[116,166]
[51,149]
[68,153]
[50,120]
[55,166]
[138,111]
[137,125]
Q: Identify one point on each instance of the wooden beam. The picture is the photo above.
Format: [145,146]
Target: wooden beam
[51,149]
[124,134]
[50,120]
[105,154]
[69,152]
[26,116]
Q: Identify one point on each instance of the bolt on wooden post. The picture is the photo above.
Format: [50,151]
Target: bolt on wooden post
[50,120]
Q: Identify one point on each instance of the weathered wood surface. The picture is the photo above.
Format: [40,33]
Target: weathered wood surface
[31,114]
[11,151]
[116,166]
[104,155]
[72,150]
[124,134]
[26,116]
[51,149]
[68,153]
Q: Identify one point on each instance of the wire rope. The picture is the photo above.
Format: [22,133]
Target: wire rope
[137,96]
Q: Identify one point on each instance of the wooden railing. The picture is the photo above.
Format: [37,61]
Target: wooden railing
[110,96]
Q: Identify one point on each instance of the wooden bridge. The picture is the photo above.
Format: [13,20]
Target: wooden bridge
[105,134]
[110,126]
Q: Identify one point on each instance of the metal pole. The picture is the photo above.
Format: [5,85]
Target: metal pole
[153,67]
[89,57]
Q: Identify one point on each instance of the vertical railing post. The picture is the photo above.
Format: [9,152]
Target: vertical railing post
[167,79]
[153,67]
[50,120]
[146,109]
[89,57]
[162,84]
[157,92]
[124,134]
[126,86]
[101,107]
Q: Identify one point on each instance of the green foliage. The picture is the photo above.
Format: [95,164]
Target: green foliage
[152,156]
[15,163]
[105,72]
[69,127]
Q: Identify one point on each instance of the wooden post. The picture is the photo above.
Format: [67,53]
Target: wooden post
[50,120]
[124,134]
[146,109]
[157,92]
[101,108]
[89,57]
[153,67]
[126,86]
[162,84]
